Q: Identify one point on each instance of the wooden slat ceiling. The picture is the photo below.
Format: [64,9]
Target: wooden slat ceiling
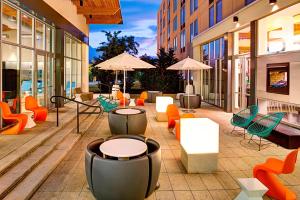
[100,11]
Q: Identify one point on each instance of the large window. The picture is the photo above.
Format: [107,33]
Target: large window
[219,11]
[248,1]
[10,21]
[182,40]
[175,24]
[193,29]
[242,41]
[175,43]
[280,32]
[175,2]
[72,65]
[182,15]
[26,30]
[193,6]
[40,35]
[214,80]
[26,44]
[211,16]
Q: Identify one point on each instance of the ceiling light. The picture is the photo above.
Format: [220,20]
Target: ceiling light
[272,2]
[81,2]
[235,19]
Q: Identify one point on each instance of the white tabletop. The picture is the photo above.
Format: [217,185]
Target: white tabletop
[252,184]
[154,91]
[128,111]
[123,148]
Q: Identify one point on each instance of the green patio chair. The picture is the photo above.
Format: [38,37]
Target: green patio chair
[243,118]
[264,126]
[106,104]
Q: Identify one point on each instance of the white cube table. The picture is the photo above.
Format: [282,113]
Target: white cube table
[162,103]
[199,139]
[252,189]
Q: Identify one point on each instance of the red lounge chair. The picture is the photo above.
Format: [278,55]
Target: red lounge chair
[121,98]
[141,101]
[18,121]
[266,173]
[40,113]
[173,114]
[177,125]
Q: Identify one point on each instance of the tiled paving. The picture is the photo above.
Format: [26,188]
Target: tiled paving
[236,160]
[9,143]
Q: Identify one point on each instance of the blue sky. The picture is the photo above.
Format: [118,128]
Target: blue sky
[139,20]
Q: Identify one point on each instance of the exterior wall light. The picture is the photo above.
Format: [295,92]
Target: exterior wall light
[272,2]
[199,140]
[81,2]
[161,107]
[235,19]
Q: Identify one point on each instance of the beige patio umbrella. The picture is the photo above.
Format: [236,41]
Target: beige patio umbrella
[124,62]
[189,64]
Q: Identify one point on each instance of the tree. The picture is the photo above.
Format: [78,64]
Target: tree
[114,46]
[160,78]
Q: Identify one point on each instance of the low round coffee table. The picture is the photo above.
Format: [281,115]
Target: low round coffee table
[127,121]
[123,148]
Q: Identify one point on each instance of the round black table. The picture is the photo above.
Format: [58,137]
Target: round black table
[127,121]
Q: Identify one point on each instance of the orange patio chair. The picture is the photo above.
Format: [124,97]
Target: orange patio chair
[39,113]
[266,173]
[121,98]
[141,101]
[173,114]
[177,125]
[17,121]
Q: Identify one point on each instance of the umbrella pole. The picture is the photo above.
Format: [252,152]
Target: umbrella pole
[116,80]
[124,88]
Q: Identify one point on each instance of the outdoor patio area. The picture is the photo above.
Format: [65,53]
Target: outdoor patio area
[236,160]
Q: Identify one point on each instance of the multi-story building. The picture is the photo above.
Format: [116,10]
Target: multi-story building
[178,23]
[44,46]
[251,45]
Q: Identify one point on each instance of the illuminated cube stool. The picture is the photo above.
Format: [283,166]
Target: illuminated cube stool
[162,103]
[199,139]
[252,189]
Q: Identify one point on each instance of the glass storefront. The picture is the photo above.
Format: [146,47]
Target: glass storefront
[214,79]
[72,65]
[26,56]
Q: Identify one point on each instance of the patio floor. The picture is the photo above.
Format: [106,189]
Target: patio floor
[236,160]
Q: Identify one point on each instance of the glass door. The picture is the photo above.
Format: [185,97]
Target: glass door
[241,82]
[40,92]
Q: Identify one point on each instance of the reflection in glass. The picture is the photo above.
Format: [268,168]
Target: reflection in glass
[74,51]
[40,84]
[40,36]
[48,38]
[10,61]
[78,80]
[68,77]
[67,46]
[26,30]
[26,75]
[50,79]
[9,24]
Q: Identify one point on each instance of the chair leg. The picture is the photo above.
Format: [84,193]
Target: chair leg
[233,130]
[250,139]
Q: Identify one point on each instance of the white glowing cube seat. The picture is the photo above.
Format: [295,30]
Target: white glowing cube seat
[199,139]
[162,103]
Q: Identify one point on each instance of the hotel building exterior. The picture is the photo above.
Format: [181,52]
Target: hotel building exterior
[44,46]
[253,47]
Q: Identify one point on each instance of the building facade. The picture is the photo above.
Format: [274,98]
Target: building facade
[44,47]
[254,52]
